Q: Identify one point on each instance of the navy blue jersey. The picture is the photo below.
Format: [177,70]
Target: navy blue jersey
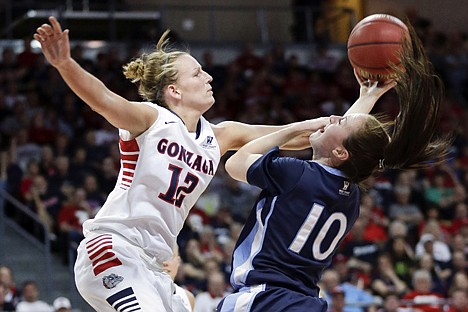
[299,220]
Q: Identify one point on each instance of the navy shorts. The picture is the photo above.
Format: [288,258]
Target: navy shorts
[263,298]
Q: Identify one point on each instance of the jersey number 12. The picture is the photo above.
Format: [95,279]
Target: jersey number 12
[175,194]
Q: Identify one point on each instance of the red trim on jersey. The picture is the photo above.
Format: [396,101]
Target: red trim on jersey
[110,264]
[129,146]
[99,251]
[127,165]
[128,161]
[98,239]
[129,157]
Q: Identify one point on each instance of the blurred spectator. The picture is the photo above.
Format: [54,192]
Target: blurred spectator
[239,197]
[397,228]
[25,149]
[460,218]
[42,202]
[39,131]
[432,223]
[373,220]
[193,262]
[459,263]
[337,303]
[32,171]
[79,166]
[94,195]
[356,299]
[391,303]
[434,246]
[209,246]
[409,178]
[403,210]
[27,58]
[438,276]
[15,122]
[402,257]
[107,175]
[458,301]
[385,280]
[216,290]
[47,163]
[444,190]
[62,304]
[71,216]
[30,301]
[362,253]
[459,281]
[11,293]
[94,152]
[62,175]
[45,201]
[422,297]
[5,305]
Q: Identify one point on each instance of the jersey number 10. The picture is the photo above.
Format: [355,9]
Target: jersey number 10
[309,224]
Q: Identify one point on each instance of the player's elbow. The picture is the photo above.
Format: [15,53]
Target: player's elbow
[233,168]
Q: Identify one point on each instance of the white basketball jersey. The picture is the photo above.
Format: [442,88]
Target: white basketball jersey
[163,172]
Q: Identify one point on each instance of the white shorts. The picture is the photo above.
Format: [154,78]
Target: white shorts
[113,275]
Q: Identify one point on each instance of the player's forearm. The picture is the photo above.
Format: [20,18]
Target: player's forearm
[238,164]
[86,86]
[369,94]
[363,105]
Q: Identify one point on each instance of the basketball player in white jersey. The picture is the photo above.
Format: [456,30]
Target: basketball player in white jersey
[169,154]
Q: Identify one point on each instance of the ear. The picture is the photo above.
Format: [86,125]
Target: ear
[173,91]
[340,153]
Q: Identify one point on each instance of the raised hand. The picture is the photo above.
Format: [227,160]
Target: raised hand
[54,42]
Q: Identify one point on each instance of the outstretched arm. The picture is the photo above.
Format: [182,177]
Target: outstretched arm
[238,164]
[118,111]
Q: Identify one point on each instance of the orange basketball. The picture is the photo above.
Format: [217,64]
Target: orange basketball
[374,44]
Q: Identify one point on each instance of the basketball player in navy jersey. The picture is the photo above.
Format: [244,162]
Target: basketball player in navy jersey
[306,208]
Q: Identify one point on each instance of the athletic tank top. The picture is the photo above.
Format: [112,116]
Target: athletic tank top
[163,172]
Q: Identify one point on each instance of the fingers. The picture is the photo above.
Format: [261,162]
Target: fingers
[55,24]
[46,31]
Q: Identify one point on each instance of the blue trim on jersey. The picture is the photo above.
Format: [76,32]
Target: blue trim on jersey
[241,301]
[331,169]
[250,247]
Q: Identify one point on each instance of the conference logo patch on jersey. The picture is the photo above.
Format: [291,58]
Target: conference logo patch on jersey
[110,281]
[208,143]
[344,190]
[124,300]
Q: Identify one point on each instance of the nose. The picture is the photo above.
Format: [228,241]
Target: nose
[334,119]
[210,79]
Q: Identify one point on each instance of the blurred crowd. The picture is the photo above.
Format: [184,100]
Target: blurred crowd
[407,251]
